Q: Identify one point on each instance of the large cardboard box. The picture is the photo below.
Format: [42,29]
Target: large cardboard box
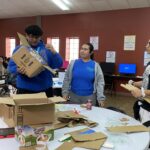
[28,109]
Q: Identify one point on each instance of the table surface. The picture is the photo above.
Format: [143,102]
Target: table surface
[105,118]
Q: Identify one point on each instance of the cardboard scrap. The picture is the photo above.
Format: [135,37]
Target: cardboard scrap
[91,141]
[128,87]
[88,137]
[131,87]
[128,129]
[70,119]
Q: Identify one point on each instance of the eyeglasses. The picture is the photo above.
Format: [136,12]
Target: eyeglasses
[85,49]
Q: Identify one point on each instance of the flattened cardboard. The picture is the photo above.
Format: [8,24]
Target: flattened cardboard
[89,141]
[128,129]
[131,87]
[88,137]
[128,87]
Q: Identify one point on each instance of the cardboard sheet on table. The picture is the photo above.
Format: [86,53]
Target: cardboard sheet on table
[129,129]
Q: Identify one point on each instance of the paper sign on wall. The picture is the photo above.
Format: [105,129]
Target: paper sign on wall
[110,56]
[129,42]
[95,41]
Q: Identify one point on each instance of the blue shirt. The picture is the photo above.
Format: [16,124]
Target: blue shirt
[43,80]
[83,75]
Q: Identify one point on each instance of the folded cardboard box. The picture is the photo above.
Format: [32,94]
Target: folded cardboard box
[32,135]
[23,57]
[71,119]
[28,109]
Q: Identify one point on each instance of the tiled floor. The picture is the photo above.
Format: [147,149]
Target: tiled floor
[124,103]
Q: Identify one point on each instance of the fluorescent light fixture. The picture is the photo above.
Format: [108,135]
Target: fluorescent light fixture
[67,2]
[60,4]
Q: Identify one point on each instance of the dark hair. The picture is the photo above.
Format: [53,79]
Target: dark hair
[34,30]
[91,48]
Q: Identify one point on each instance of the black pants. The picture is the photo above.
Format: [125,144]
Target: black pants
[49,91]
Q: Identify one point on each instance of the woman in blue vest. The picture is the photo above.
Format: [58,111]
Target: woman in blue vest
[84,79]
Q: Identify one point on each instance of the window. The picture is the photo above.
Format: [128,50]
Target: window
[72,48]
[55,42]
[10,46]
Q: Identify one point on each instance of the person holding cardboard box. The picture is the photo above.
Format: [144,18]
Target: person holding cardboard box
[142,107]
[84,79]
[42,82]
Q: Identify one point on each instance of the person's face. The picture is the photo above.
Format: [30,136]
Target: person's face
[148,47]
[33,40]
[85,52]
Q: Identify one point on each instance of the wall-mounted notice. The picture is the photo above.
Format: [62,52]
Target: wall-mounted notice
[95,41]
[129,42]
[110,56]
[146,58]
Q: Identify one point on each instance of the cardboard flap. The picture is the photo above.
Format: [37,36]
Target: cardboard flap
[49,69]
[7,100]
[29,99]
[23,40]
[147,99]
[128,87]
[69,114]
[88,137]
[129,129]
[56,99]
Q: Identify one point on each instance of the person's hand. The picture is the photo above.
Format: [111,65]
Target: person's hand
[65,97]
[136,92]
[130,82]
[21,70]
[101,103]
[51,48]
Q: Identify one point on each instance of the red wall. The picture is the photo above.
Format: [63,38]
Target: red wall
[10,27]
[110,26]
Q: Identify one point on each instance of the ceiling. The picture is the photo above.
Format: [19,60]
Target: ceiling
[24,8]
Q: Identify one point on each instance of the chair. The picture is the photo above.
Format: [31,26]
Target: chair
[108,70]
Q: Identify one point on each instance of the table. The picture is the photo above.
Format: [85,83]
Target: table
[105,118]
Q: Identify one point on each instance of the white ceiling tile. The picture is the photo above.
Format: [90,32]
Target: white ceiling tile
[21,8]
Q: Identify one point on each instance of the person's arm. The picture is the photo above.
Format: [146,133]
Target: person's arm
[66,84]
[100,86]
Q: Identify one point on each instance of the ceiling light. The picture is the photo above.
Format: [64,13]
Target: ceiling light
[60,4]
[67,2]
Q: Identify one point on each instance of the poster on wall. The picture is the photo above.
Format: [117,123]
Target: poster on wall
[146,58]
[129,42]
[111,56]
[95,41]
